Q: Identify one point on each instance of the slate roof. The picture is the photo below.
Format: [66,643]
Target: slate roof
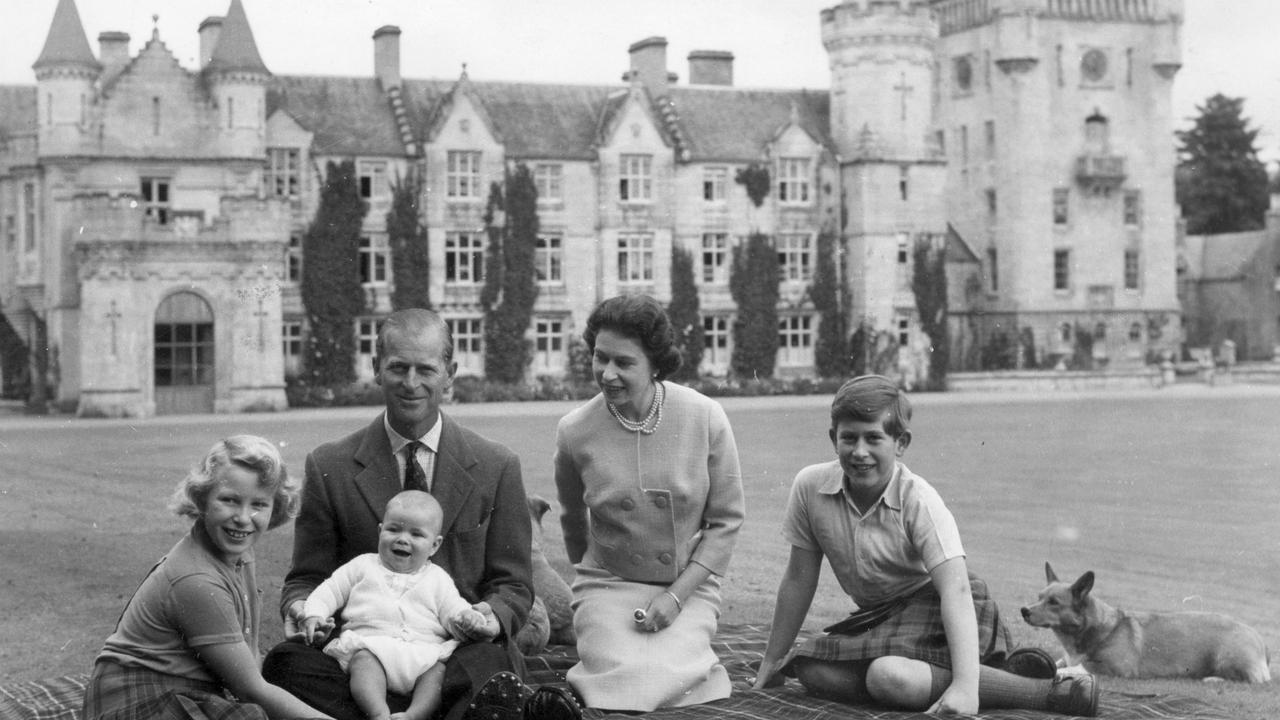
[348,115]
[236,50]
[66,43]
[17,110]
[735,124]
[1233,255]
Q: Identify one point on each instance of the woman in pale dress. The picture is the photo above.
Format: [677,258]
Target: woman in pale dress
[648,479]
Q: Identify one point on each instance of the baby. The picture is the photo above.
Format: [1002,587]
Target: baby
[402,616]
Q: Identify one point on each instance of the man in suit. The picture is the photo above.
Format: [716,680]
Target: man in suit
[412,445]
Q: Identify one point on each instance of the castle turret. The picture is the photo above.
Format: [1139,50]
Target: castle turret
[237,79]
[65,75]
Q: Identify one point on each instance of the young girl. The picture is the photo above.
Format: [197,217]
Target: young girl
[189,634]
[400,612]
[926,636]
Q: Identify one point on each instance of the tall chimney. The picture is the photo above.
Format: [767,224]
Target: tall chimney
[386,56]
[209,31]
[711,67]
[649,65]
[113,53]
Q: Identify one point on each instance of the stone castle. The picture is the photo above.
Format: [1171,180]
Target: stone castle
[152,214]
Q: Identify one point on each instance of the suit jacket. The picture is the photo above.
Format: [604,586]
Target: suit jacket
[486,528]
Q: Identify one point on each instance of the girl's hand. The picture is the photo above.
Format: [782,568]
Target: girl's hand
[955,701]
[767,676]
[661,612]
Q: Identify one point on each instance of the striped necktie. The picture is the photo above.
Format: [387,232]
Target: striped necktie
[414,478]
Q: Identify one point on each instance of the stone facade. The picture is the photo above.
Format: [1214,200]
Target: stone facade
[140,199]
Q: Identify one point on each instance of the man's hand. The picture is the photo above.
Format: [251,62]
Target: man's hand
[486,627]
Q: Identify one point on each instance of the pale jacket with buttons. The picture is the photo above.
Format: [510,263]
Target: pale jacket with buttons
[644,506]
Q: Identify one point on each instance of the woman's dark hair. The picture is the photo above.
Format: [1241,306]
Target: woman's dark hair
[866,398]
[642,319]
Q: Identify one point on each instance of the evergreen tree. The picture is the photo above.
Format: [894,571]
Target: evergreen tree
[15,362]
[1222,185]
[753,282]
[929,283]
[407,235]
[831,353]
[684,313]
[511,285]
[331,289]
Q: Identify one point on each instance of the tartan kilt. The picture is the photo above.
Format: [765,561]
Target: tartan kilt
[116,692]
[915,631]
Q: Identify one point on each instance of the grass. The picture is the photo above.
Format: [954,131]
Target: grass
[1171,497]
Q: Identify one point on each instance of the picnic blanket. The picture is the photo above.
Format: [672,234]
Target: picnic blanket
[740,647]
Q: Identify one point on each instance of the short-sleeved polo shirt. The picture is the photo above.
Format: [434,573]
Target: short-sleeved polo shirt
[880,555]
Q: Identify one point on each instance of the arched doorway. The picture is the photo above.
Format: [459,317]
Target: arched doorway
[184,368]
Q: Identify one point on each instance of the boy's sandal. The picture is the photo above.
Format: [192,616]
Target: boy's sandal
[552,703]
[1031,662]
[501,697]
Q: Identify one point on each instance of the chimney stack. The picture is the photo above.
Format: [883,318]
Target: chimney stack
[386,56]
[209,31]
[113,53]
[711,67]
[649,65]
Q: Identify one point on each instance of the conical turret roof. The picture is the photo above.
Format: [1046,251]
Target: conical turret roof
[236,50]
[67,43]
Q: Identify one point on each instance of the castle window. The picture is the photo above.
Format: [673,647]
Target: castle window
[372,176]
[795,340]
[904,330]
[715,258]
[548,180]
[548,343]
[155,199]
[284,172]
[1060,200]
[989,134]
[1061,270]
[548,259]
[29,217]
[468,343]
[1131,269]
[991,202]
[293,259]
[1132,208]
[1135,332]
[291,344]
[635,258]
[716,339]
[375,258]
[993,270]
[635,181]
[714,181]
[904,251]
[793,180]
[903,176]
[366,340]
[463,258]
[231,112]
[462,174]
[10,233]
[795,257]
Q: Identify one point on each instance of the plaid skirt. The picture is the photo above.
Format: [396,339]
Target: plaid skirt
[116,692]
[914,630]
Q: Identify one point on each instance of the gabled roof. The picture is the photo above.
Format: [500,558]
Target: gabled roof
[734,124]
[66,43]
[615,108]
[17,110]
[236,50]
[348,116]
[958,249]
[462,88]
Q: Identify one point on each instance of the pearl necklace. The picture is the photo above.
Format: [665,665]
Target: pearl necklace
[654,416]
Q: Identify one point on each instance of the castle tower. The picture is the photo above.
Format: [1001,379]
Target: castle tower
[237,80]
[65,75]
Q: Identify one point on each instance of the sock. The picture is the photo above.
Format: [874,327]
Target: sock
[998,689]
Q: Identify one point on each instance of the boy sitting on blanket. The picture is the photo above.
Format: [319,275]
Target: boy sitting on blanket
[927,635]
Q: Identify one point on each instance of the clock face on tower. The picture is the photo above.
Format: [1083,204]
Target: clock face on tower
[1093,66]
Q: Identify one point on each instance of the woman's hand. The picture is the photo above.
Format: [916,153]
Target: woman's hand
[659,613]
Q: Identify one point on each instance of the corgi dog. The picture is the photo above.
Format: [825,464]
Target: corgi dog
[1110,641]
[551,617]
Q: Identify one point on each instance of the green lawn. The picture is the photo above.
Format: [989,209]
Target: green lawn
[1172,497]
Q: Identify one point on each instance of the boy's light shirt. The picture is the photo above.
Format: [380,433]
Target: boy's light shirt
[877,556]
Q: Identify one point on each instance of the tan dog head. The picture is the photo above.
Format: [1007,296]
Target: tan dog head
[1062,606]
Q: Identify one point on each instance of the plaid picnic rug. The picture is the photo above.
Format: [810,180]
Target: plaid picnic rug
[740,647]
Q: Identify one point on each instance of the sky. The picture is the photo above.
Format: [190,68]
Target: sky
[1229,46]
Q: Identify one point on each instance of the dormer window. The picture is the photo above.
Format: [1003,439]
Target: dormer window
[462,174]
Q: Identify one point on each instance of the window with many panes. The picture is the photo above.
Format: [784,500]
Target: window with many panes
[716,341]
[468,343]
[1061,197]
[548,343]
[293,259]
[548,259]
[715,258]
[795,257]
[366,342]
[291,344]
[903,325]
[374,260]
[715,181]
[793,180]
[635,178]
[1132,208]
[463,258]
[635,257]
[1132,270]
[795,340]
[548,179]
[1061,269]
[372,176]
[283,175]
[462,174]
[155,199]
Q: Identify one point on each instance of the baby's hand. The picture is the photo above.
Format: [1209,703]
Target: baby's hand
[469,620]
[315,630]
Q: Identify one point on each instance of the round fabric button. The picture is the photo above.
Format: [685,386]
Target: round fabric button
[665,558]
[637,559]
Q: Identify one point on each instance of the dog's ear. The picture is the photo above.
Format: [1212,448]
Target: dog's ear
[1049,574]
[1082,586]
